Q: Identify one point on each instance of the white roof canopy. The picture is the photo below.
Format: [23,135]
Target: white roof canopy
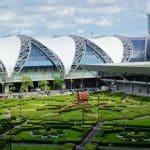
[64,47]
[112,46]
[9,52]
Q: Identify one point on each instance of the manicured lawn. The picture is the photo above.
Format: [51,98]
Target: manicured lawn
[64,109]
[71,135]
[112,138]
[39,147]
[139,122]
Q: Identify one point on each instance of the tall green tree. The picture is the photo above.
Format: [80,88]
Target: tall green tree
[43,84]
[11,87]
[58,83]
[26,83]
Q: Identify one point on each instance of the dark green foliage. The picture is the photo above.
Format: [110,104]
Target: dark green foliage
[11,87]
[5,125]
[58,83]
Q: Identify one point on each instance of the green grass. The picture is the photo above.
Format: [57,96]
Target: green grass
[40,147]
[49,108]
[65,108]
[139,122]
[71,135]
[112,138]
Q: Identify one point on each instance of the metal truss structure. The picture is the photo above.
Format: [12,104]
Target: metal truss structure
[81,50]
[146,48]
[2,67]
[127,47]
[26,46]
[24,52]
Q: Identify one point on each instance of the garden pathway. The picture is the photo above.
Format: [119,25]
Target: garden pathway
[90,135]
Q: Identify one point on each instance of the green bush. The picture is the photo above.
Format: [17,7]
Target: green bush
[90,146]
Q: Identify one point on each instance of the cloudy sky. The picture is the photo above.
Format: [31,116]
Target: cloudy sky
[81,17]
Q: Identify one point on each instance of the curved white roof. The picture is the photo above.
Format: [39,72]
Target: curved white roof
[112,46]
[64,47]
[9,52]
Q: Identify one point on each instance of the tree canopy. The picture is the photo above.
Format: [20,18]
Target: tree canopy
[58,83]
[43,84]
[11,87]
[26,83]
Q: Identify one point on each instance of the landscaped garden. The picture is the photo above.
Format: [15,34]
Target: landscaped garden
[59,122]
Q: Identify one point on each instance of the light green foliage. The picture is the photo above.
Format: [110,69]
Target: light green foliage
[43,84]
[26,83]
[141,122]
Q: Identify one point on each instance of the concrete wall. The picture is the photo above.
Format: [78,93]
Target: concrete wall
[136,89]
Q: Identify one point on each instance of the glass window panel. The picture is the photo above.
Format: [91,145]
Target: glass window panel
[148,50]
[91,57]
[138,49]
[37,58]
[139,45]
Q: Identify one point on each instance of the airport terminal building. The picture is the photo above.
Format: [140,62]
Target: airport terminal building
[47,59]
[119,62]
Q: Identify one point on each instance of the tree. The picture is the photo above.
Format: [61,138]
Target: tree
[11,87]
[71,83]
[58,83]
[26,83]
[44,85]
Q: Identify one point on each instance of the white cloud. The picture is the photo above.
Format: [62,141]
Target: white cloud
[114,9]
[84,20]
[66,11]
[80,31]
[56,25]
[7,16]
[101,2]
[70,15]
[104,23]
[147,8]
[43,9]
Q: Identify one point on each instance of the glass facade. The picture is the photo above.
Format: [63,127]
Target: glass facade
[138,49]
[37,59]
[141,49]
[91,57]
[148,49]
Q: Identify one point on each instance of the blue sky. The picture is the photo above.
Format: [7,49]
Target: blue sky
[81,17]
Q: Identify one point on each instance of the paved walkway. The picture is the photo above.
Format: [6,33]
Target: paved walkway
[122,148]
[90,136]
